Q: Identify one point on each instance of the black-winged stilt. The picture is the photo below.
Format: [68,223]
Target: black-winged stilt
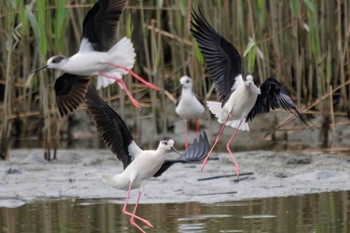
[241,100]
[139,165]
[188,106]
[98,55]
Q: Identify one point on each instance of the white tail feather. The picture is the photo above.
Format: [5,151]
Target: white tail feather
[114,181]
[122,54]
[103,81]
[234,124]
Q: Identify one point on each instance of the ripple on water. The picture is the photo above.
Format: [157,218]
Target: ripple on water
[192,227]
[204,216]
[225,231]
[262,216]
[11,203]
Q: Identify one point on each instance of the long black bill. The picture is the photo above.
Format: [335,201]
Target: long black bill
[176,151]
[179,87]
[41,68]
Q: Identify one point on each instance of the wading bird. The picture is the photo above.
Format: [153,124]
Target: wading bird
[98,55]
[188,106]
[241,100]
[139,165]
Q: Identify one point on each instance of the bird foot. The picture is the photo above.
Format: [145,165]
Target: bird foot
[237,170]
[135,103]
[148,223]
[137,226]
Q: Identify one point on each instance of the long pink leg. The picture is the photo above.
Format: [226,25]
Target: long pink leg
[119,80]
[197,127]
[150,85]
[216,141]
[228,147]
[186,134]
[133,214]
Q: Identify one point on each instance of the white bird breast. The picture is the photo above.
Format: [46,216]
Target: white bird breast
[89,63]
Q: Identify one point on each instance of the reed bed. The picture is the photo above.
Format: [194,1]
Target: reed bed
[303,43]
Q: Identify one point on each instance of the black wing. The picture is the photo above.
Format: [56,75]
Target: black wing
[70,91]
[110,126]
[274,96]
[101,22]
[195,152]
[222,58]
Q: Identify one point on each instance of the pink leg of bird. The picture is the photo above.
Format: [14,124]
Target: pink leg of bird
[119,80]
[150,85]
[197,127]
[216,141]
[228,147]
[186,135]
[133,214]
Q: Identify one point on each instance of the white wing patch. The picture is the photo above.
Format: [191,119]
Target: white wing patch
[85,46]
[215,108]
[238,82]
[134,150]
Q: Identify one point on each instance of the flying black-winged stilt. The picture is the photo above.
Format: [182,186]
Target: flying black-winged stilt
[139,165]
[97,55]
[241,100]
[188,105]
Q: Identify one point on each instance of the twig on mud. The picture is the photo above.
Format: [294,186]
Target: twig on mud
[223,176]
[207,194]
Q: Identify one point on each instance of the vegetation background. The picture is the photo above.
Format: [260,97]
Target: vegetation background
[303,43]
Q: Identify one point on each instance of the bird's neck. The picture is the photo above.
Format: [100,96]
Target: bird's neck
[187,91]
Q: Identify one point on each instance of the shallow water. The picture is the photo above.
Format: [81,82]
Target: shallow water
[323,212]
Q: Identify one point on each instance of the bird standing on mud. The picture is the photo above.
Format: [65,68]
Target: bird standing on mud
[241,100]
[188,106]
[140,165]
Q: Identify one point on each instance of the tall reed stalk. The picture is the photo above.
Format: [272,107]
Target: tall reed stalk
[303,43]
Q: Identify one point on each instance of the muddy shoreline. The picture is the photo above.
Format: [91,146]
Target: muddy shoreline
[28,177]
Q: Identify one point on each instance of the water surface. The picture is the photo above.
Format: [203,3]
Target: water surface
[323,212]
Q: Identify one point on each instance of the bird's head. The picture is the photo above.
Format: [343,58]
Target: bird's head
[249,80]
[186,82]
[167,144]
[56,62]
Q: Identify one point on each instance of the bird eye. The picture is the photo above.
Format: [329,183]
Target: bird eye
[165,143]
[57,59]
[187,81]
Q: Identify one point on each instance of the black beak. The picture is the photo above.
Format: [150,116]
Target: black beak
[41,68]
[179,87]
[178,152]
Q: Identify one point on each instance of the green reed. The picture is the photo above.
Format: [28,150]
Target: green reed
[304,44]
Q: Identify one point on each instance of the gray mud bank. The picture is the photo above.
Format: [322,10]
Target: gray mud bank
[28,177]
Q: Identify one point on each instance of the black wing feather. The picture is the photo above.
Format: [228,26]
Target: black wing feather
[100,23]
[70,91]
[110,126]
[195,152]
[222,58]
[273,96]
